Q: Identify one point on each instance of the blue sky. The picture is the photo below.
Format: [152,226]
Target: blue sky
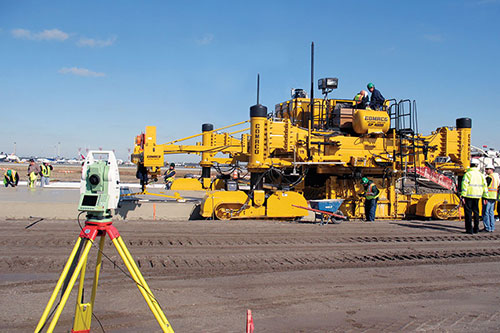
[93,74]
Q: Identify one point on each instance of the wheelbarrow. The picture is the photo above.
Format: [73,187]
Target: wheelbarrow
[326,210]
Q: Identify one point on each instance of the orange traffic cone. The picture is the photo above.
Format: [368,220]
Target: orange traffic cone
[250,326]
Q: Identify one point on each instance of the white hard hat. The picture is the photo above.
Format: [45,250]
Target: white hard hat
[489,166]
[474,161]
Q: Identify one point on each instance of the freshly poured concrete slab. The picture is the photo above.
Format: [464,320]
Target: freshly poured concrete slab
[24,183]
[62,203]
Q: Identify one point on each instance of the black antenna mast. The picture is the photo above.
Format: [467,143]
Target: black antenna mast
[258,87]
[312,72]
[311,103]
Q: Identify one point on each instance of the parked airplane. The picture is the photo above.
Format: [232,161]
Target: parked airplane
[44,160]
[12,158]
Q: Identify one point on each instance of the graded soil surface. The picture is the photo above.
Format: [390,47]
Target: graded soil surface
[387,276]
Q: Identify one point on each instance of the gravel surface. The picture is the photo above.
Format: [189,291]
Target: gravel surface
[296,277]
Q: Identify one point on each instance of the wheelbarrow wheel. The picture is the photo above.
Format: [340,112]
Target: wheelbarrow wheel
[337,220]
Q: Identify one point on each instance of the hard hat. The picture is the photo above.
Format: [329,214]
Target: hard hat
[474,161]
[364,180]
[172,165]
[370,85]
[489,166]
[9,173]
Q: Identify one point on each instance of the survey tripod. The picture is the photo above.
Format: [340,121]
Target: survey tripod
[96,225]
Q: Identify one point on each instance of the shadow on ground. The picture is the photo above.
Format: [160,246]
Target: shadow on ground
[430,225]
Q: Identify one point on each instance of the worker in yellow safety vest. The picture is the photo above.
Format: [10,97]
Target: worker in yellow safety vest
[473,188]
[33,172]
[46,169]
[10,177]
[489,198]
[371,197]
[169,176]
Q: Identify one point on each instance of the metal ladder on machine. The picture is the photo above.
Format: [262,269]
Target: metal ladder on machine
[403,116]
[404,119]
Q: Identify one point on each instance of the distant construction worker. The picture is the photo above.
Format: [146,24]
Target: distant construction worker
[361,100]
[371,198]
[169,176]
[10,177]
[33,172]
[142,175]
[376,100]
[45,173]
[489,198]
[473,188]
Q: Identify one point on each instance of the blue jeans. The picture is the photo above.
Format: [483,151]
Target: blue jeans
[489,215]
[44,181]
[370,209]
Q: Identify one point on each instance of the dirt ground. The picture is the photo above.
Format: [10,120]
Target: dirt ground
[385,276]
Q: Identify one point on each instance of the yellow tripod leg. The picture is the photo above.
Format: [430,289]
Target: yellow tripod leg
[58,286]
[97,269]
[143,282]
[82,261]
[142,285]
[141,279]
[83,311]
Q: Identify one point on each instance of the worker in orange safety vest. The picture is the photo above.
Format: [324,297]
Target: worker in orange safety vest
[489,198]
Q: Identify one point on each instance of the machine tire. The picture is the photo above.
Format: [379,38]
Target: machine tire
[444,211]
[225,211]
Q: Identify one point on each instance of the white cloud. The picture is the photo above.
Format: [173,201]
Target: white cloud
[52,34]
[207,39]
[21,33]
[437,38]
[91,42]
[80,72]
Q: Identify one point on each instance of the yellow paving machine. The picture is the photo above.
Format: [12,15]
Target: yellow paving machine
[320,148]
